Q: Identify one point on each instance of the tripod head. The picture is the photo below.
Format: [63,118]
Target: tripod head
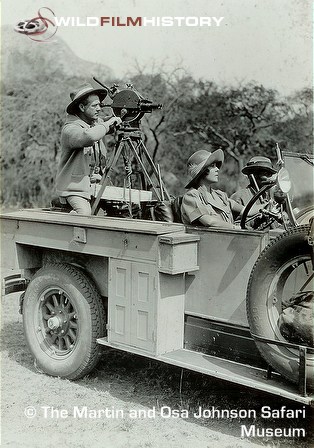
[129,104]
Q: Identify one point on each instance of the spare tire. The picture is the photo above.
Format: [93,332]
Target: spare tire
[283,269]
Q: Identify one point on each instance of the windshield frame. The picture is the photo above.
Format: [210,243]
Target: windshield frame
[301,194]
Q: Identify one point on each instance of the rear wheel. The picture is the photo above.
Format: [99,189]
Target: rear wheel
[63,315]
[283,270]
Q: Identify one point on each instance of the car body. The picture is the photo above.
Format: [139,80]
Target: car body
[162,290]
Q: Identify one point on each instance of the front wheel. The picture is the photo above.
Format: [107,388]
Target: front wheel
[281,277]
[63,315]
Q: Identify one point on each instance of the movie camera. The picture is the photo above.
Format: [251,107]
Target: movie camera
[129,104]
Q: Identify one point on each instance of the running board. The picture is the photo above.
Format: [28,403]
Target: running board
[224,369]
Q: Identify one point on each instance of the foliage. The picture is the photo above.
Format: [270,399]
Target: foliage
[243,121]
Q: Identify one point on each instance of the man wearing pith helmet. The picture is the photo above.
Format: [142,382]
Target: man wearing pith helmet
[202,204]
[258,169]
[82,147]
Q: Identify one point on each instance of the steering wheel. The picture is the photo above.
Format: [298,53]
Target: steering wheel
[269,219]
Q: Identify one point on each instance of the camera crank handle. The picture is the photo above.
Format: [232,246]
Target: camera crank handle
[116,126]
[124,111]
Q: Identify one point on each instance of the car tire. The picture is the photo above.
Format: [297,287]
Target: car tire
[63,315]
[270,283]
[304,216]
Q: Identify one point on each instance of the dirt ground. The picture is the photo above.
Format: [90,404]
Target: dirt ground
[121,384]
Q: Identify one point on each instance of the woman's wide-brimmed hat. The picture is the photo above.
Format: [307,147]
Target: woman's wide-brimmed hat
[199,161]
[258,163]
[81,92]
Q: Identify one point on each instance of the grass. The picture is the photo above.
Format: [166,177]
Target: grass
[125,381]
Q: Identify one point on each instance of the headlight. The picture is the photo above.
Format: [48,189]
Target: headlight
[283,180]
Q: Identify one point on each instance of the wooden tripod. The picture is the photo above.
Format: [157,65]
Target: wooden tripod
[130,142]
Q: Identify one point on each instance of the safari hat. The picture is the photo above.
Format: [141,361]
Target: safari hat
[199,161]
[258,163]
[81,92]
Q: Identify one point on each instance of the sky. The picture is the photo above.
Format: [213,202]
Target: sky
[267,41]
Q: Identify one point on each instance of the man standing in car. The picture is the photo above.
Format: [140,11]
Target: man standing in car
[82,147]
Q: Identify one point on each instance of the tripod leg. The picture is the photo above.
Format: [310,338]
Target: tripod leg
[106,177]
[127,180]
[143,167]
[150,160]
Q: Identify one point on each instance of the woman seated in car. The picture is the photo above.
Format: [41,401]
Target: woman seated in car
[202,205]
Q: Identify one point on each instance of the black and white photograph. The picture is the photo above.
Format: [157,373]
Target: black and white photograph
[157,224]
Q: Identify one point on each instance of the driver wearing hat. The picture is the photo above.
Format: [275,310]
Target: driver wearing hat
[82,147]
[203,205]
[258,169]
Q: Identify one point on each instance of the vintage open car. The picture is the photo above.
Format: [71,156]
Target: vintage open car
[232,304]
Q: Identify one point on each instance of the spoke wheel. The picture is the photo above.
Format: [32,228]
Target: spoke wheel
[63,315]
[292,278]
[284,269]
[56,319]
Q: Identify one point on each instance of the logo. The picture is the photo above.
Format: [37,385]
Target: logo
[40,28]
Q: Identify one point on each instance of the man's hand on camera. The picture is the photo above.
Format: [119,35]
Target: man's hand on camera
[110,123]
[114,121]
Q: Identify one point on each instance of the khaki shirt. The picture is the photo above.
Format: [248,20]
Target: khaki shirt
[244,195]
[81,148]
[200,202]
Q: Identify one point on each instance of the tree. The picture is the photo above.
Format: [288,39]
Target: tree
[243,121]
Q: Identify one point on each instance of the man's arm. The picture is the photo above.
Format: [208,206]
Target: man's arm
[235,207]
[78,137]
